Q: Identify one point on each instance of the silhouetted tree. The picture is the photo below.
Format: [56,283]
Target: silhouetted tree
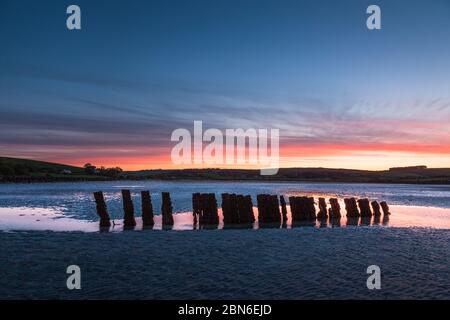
[89,168]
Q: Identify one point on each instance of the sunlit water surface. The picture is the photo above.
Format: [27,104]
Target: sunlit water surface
[71,207]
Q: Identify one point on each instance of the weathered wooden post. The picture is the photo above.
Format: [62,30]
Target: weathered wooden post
[351,207]
[311,208]
[322,214]
[376,208]
[166,209]
[213,208]
[101,209]
[262,210]
[275,214]
[128,208]
[293,203]
[335,210]
[147,209]
[268,208]
[385,208]
[283,209]
[250,217]
[364,207]
[196,207]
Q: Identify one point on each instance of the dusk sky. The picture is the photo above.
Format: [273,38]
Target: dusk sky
[112,93]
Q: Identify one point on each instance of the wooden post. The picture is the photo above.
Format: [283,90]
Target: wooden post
[166,210]
[147,209]
[128,218]
[364,207]
[351,207]
[376,208]
[283,209]
[101,209]
[268,208]
[311,208]
[214,216]
[335,210]
[249,209]
[322,209]
[385,208]
[196,207]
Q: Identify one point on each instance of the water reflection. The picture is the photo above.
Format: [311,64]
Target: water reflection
[376,220]
[335,222]
[303,223]
[55,220]
[365,221]
[323,223]
[352,221]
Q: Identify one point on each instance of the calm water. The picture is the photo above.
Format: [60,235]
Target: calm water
[70,206]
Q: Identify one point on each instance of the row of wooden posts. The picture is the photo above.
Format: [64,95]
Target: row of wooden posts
[238,209]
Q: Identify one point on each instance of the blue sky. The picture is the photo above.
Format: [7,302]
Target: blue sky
[115,90]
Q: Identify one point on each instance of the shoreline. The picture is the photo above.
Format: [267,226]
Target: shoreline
[70,180]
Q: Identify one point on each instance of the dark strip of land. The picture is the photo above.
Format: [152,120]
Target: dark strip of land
[23,170]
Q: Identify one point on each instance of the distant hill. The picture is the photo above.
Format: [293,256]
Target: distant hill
[22,170]
[20,167]
[415,175]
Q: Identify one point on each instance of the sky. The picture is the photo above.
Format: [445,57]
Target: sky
[112,93]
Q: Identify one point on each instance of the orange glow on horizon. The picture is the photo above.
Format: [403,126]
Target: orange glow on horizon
[347,156]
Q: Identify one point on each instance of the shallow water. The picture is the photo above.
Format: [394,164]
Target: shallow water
[315,260]
[71,207]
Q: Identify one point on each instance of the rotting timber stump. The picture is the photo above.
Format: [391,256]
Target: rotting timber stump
[335,210]
[283,209]
[376,208]
[166,210]
[351,207]
[302,208]
[385,208]
[208,206]
[364,207]
[128,209]
[237,209]
[268,208]
[322,214]
[147,209]
[101,209]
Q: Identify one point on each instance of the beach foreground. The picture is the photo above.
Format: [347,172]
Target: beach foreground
[299,263]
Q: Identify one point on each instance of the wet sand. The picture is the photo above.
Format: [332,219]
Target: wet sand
[300,263]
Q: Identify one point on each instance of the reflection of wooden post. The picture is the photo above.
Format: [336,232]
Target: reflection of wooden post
[322,209]
[166,209]
[385,208]
[364,207]
[128,218]
[335,210]
[147,209]
[376,208]
[101,209]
